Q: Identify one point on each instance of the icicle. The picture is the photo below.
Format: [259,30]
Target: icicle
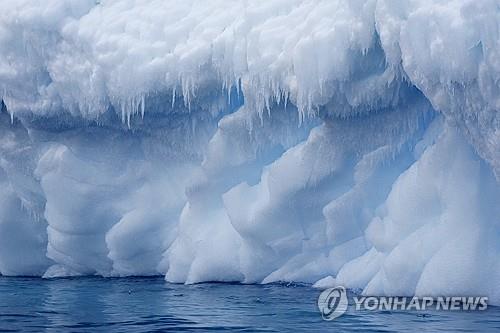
[228,89]
[238,87]
[143,106]
[123,112]
[286,99]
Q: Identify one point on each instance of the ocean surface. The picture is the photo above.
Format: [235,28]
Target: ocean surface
[153,305]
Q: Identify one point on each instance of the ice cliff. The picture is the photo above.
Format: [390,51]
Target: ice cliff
[253,141]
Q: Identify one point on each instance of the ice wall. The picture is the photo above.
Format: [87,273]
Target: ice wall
[253,141]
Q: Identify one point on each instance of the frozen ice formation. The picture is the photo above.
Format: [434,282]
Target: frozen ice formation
[350,142]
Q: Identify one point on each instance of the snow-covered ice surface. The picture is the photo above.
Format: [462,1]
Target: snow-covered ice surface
[351,142]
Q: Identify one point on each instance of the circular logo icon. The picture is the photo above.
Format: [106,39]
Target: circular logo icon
[332,303]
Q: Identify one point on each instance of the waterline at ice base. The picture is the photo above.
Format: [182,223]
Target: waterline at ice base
[354,143]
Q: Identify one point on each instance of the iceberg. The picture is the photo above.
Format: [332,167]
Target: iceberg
[346,142]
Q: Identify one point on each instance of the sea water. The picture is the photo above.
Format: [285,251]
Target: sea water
[92,304]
